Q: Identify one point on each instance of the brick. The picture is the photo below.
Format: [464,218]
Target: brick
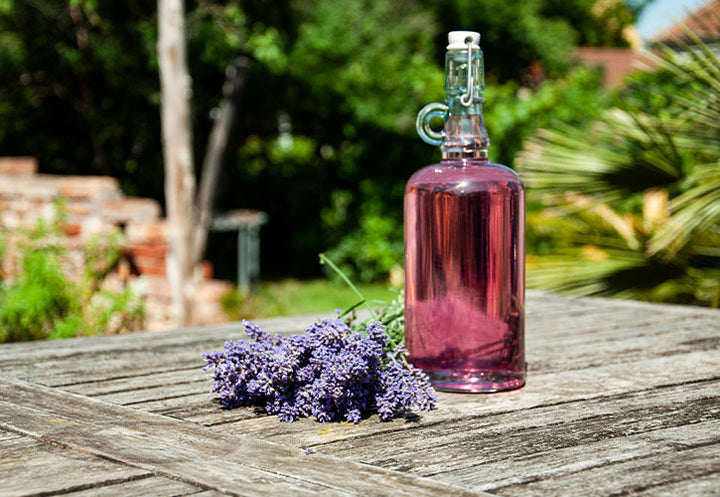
[47,212]
[94,227]
[73,264]
[18,166]
[73,243]
[130,210]
[12,220]
[71,229]
[150,267]
[157,300]
[157,267]
[206,270]
[94,206]
[617,63]
[156,286]
[41,186]
[78,208]
[158,249]
[97,188]
[19,204]
[113,283]
[146,232]
[157,324]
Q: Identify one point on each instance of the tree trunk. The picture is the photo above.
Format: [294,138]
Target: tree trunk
[175,85]
[217,145]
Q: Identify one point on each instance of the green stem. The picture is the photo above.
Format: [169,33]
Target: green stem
[325,260]
[352,308]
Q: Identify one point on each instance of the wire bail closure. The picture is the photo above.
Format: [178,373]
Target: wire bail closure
[458,41]
[468,98]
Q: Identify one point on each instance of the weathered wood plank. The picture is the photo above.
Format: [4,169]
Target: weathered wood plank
[132,383]
[146,354]
[57,363]
[164,386]
[207,493]
[152,485]
[541,307]
[28,467]
[538,305]
[551,464]
[541,390]
[139,396]
[698,486]
[600,328]
[103,367]
[15,353]
[196,408]
[614,387]
[190,453]
[627,477]
[8,435]
[542,300]
[476,441]
[150,351]
[625,344]
[631,343]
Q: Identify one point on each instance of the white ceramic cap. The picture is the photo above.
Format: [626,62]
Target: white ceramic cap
[456,39]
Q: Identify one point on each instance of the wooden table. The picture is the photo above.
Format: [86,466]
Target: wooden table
[622,398]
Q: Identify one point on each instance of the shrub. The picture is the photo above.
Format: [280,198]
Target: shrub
[42,302]
[631,207]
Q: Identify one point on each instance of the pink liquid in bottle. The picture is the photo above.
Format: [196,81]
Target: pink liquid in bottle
[465,282]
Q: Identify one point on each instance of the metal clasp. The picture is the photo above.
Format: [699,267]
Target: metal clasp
[468,98]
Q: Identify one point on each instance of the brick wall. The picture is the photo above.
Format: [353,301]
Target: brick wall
[96,209]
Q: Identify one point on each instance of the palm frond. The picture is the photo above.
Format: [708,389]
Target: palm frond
[694,211]
[668,161]
[598,163]
[589,271]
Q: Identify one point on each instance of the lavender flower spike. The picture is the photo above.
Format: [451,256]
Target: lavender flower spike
[330,373]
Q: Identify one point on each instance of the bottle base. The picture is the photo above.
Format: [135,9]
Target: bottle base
[476,381]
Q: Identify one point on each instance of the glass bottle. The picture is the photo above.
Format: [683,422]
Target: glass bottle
[465,244]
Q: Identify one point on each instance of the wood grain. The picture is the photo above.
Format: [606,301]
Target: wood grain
[542,390]
[622,398]
[225,463]
[29,467]
[152,485]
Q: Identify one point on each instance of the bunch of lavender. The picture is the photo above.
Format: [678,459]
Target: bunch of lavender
[331,372]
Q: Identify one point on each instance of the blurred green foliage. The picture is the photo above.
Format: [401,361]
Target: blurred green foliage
[41,302]
[630,206]
[295,297]
[326,136]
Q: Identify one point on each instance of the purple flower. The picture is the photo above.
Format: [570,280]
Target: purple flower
[330,373]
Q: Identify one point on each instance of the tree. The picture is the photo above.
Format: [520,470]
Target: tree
[176,89]
[218,144]
[79,88]
[188,219]
[632,205]
[325,141]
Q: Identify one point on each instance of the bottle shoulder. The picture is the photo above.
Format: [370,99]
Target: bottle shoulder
[481,174]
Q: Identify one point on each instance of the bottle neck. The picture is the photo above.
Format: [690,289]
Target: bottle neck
[465,135]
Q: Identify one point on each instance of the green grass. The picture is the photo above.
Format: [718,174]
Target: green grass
[292,297]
